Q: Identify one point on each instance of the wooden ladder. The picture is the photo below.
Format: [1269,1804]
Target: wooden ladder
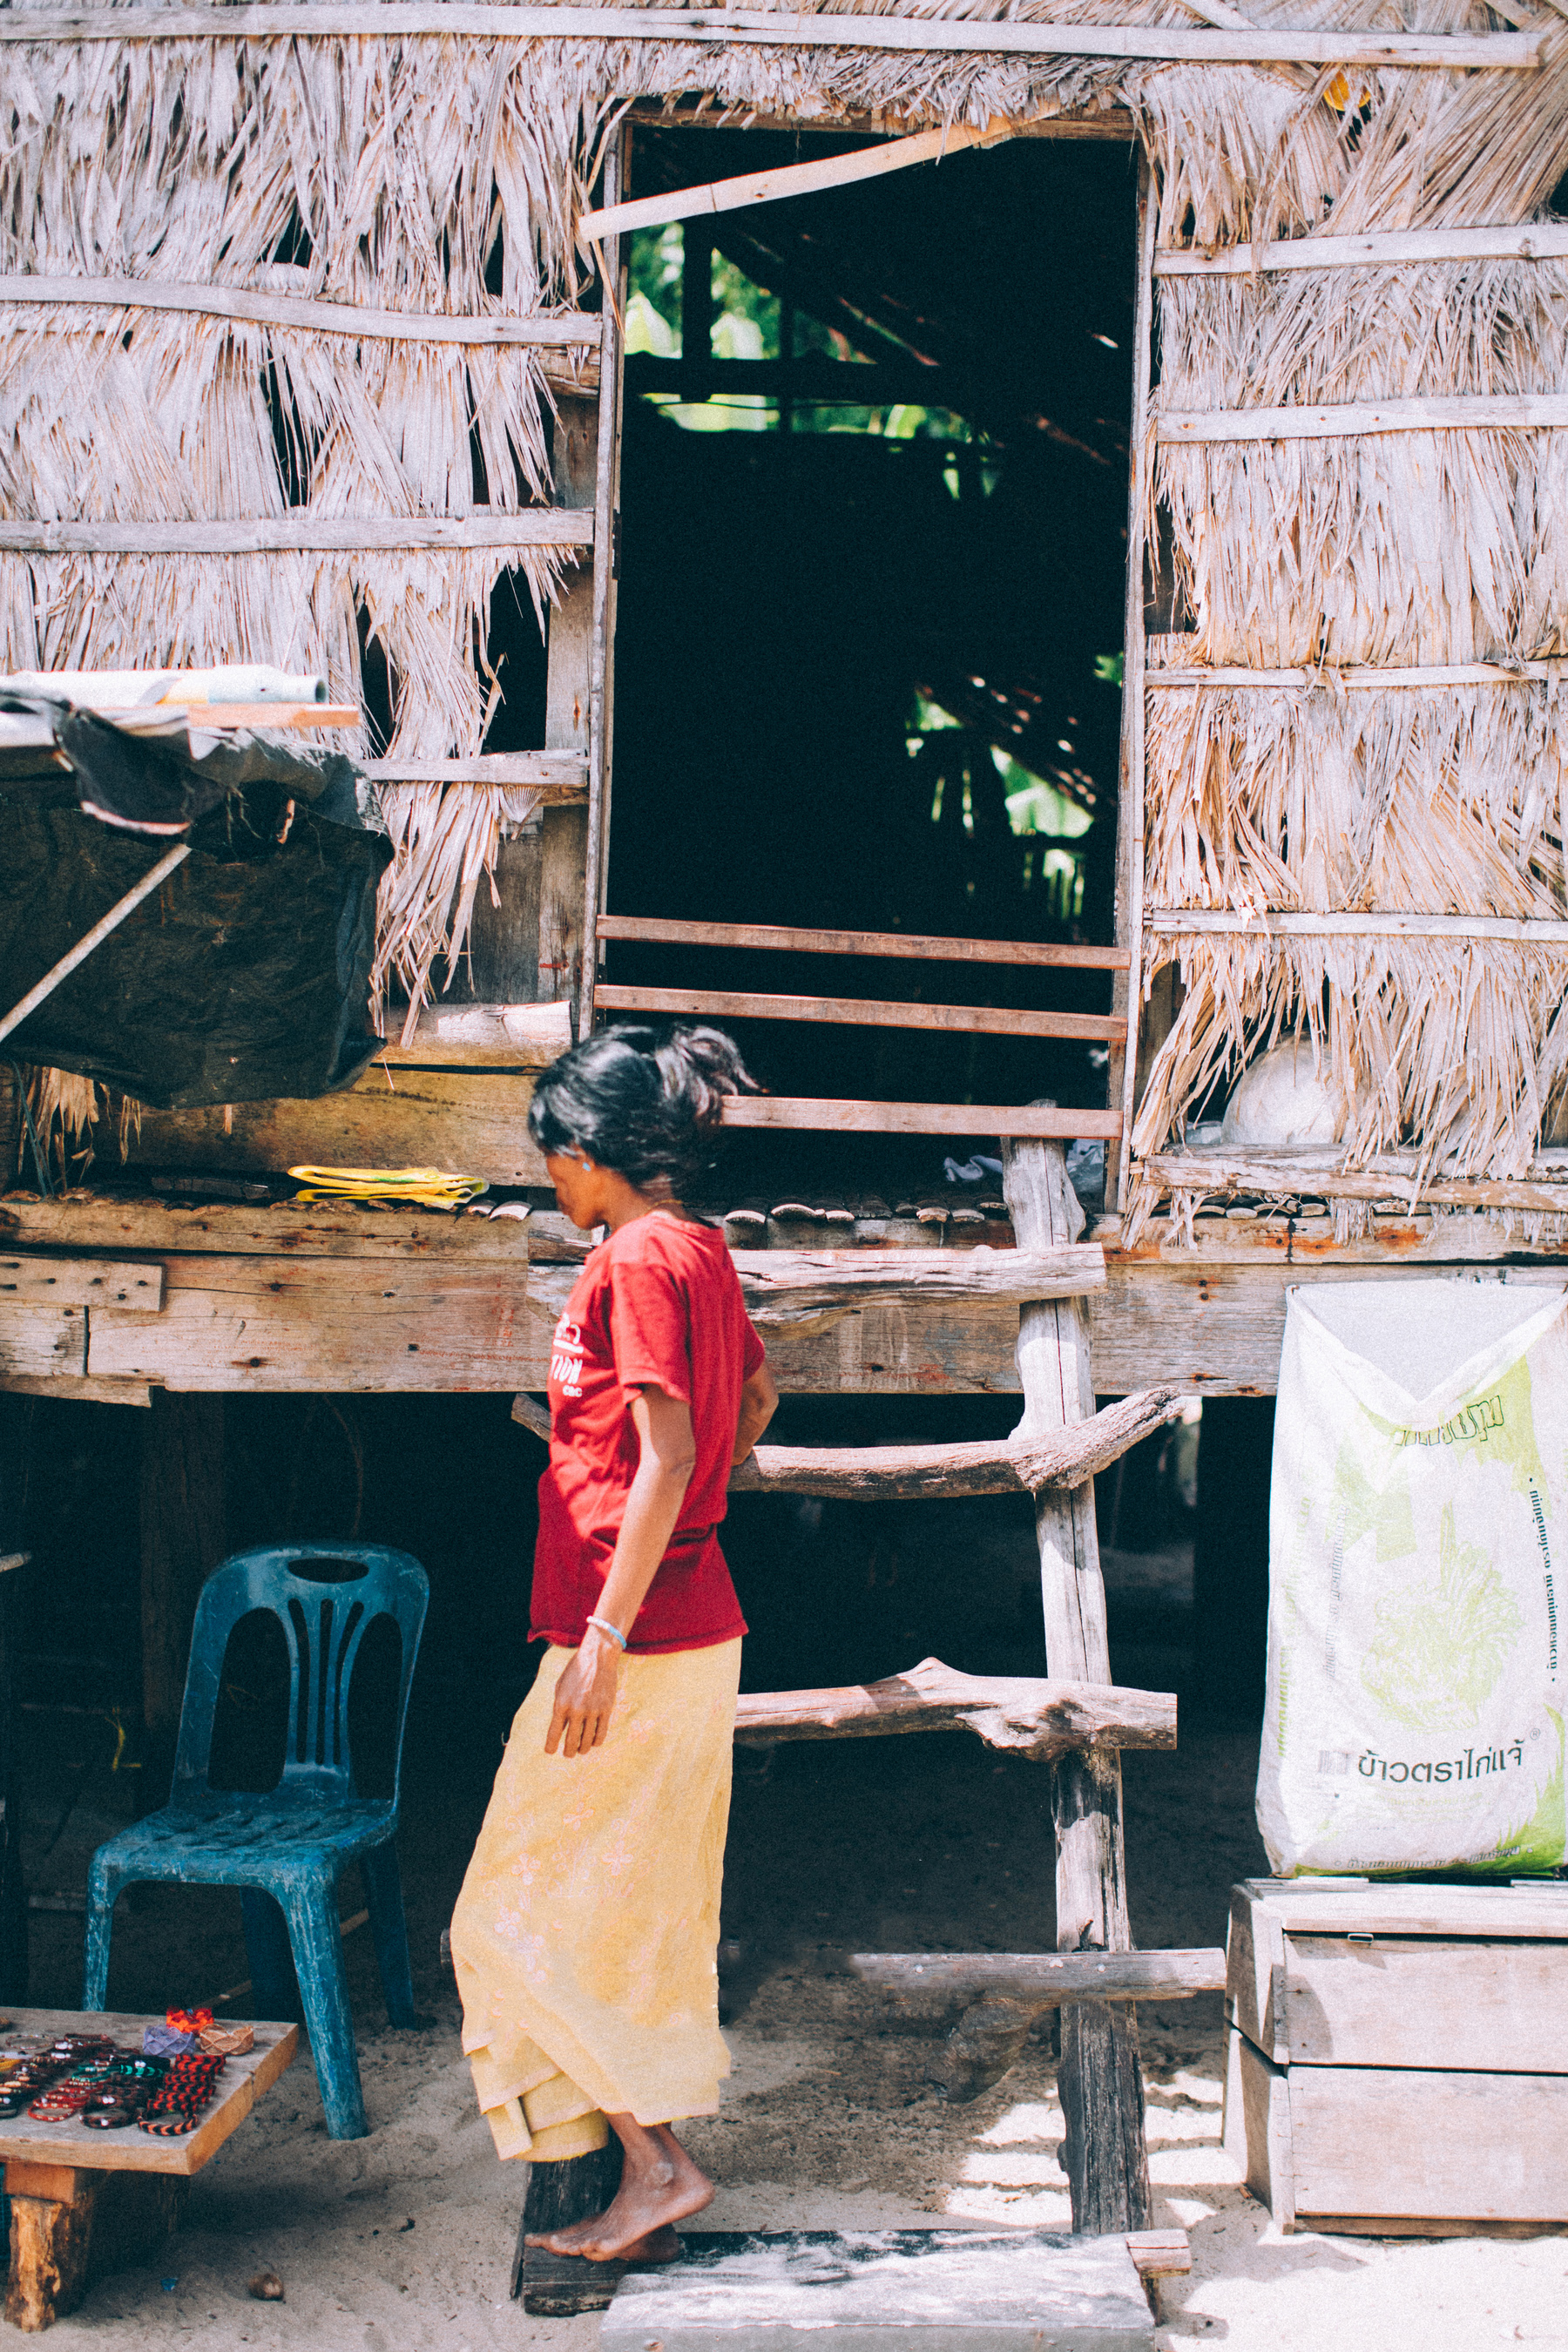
[1076,1722]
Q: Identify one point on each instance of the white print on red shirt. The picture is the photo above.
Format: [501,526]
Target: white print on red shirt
[566,1358]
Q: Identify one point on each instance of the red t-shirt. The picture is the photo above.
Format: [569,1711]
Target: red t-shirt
[657,1306]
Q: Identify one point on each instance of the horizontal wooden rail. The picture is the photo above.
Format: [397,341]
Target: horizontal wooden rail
[849,1117]
[1525,931]
[1532,241]
[484,1037]
[1503,412]
[965,1020]
[914,947]
[555,775]
[886,1473]
[302,533]
[1042,1980]
[559,331]
[832,29]
[1036,1719]
[1285,1176]
[799,1291]
[1366,681]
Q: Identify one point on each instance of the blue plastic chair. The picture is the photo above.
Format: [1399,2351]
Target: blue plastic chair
[286,1850]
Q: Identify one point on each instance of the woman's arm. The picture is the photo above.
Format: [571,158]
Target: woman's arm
[759,1403]
[585,1693]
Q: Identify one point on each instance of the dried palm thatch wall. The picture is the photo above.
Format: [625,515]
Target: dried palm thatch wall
[442,173]
[1408,550]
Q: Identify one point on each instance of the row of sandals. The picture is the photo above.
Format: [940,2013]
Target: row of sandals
[164,2087]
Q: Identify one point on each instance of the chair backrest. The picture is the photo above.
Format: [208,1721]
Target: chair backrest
[323,1621]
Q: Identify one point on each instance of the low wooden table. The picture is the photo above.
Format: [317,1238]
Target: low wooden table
[84,2202]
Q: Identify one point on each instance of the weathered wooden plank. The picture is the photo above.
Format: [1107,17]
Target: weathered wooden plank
[99,1223]
[849,1117]
[1535,1913]
[865,1012]
[478,1036]
[1503,412]
[80,1282]
[38,1341]
[65,1388]
[1042,1980]
[909,947]
[1039,1718]
[1100,2080]
[915,1473]
[1400,2141]
[1487,2008]
[1285,1175]
[1256,2131]
[250,1323]
[474,1125]
[303,533]
[71,2146]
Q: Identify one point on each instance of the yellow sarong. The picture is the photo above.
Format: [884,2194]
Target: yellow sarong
[585,1937]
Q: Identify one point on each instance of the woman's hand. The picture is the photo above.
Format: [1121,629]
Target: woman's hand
[585,1696]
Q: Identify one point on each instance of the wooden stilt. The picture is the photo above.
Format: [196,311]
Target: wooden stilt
[1100,2081]
[182,1528]
[69,2226]
[560,2287]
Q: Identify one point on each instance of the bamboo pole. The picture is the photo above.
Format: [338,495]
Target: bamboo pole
[909,947]
[562,331]
[1507,411]
[606,517]
[721,27]
[1526,930]
[302,534]
[155,876]
[1369,680]
[555,775]
[1532,241]
[790,179]
[1129,816]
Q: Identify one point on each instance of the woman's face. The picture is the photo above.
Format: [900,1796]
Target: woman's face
[577,1188]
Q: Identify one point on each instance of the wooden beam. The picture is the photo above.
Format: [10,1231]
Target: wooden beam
[789,180]
[1043,1979]
[832,29]
[1100,2081]
[910,947]
[1285,1177]
[93,1282]
[1127,997]
[849,1118]
[1503,412]
[302,533]
[968,1020]
[183,1537]
[553,775]
[1035,1718]
[483,1036]
[1515,241]
[36,1342]
[1363,678]
[933,1473]
[551,330]
[1526,931]
[794,1289]
[473,1123]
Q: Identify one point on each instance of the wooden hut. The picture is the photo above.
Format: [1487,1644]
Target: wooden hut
[306,365]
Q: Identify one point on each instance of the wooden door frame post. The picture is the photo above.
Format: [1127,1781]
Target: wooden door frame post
[1127,990]
[1100,2080]
[607,563]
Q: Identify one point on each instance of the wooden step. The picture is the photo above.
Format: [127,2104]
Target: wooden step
[1039,1980]
[1020,1717]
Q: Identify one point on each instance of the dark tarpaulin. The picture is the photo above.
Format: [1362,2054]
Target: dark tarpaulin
[246,974]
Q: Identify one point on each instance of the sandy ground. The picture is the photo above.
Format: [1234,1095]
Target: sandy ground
[403,2238]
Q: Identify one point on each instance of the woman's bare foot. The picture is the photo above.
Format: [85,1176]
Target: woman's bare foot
[660,2185]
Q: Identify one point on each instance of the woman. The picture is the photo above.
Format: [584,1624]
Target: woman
[585,1934]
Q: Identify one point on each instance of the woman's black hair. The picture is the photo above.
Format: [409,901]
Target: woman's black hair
[645,1102]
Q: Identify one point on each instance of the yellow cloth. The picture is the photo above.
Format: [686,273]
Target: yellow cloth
[585,1937]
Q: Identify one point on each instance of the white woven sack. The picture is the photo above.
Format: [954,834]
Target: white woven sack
[1414,1709]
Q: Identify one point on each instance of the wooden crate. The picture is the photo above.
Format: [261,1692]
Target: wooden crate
[1398,2055]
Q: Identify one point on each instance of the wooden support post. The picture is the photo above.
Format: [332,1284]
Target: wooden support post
[70,2225]
[567,678]
[1099,2082]
[183,1540]
[562,2286]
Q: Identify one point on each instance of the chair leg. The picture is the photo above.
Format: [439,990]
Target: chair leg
[314,1932]
[383,1897]
[101,1891]
[267,1948]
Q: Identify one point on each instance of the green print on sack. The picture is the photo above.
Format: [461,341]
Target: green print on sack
[1363,1509]
[1541,1839]
[1501,1428]
[1437,1654]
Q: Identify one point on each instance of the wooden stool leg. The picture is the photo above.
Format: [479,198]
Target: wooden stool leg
[51,2240]
[1099,2079]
